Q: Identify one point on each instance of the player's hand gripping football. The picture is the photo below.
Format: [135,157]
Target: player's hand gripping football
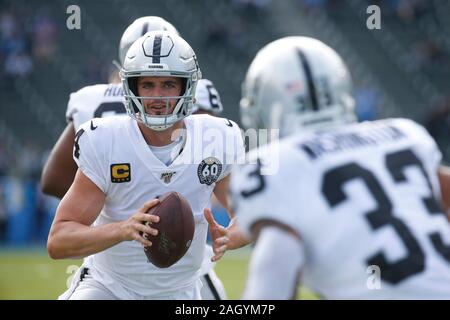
[219,236]
[138,225]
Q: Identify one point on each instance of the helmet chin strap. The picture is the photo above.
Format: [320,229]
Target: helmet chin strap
[147,120]
[169,119]
[159,128]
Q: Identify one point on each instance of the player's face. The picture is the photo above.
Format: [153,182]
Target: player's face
[159,87]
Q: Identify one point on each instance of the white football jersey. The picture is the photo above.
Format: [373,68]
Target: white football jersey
[114,155]
[96,101]
[364,200]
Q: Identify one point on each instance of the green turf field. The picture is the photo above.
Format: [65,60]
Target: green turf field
[31,274]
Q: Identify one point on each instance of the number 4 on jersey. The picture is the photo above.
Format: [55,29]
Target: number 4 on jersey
[76,151]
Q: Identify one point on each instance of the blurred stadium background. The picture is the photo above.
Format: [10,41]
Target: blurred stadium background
[402,70]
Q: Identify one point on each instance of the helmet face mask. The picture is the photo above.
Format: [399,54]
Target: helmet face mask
[296,83]
[160,54]
[173,111]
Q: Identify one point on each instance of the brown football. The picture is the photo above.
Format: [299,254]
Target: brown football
[175,230]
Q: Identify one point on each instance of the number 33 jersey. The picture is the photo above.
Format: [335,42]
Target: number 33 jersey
[365,201]
[113,154]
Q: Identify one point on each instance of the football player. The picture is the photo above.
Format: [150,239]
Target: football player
[106,100]
[354,209]
[124,162]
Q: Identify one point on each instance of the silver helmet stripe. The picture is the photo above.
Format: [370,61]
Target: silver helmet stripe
[309,79]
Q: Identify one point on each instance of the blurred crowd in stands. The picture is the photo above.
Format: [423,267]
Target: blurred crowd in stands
[426,53]
[26,39]
[234,34]
[407,10]
[25,212]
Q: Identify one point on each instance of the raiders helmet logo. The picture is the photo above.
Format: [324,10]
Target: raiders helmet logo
[167,176]
[209,170]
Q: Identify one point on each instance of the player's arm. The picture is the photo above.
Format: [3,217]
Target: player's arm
[60,168]
[270,275]
[222,195]
[236,237]
[72,235]
[228,238]
[444,181]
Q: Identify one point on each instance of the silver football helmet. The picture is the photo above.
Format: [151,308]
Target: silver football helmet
[140,27]
[207,98]
[296,83]
[160,54]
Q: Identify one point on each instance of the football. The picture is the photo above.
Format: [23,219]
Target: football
[175,230]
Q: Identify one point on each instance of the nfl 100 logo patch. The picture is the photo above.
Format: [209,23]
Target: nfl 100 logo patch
[167,176]
[209,170]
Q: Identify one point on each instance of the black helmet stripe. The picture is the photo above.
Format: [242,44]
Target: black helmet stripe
[309,79]
[144,29]
[157,48]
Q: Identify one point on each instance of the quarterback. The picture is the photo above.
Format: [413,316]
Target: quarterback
[349,199]
[125,162]
[102,100]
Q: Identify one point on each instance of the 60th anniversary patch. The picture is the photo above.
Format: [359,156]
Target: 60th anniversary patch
[209,170]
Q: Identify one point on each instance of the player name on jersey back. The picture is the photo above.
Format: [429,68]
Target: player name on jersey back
[113,90]
[337,141]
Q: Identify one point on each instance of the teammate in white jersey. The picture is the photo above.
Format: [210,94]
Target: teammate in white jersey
[354,209]
[104,100]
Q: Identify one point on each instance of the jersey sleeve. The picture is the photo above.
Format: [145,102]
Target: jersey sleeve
[71,108]
[234,149]
[89,155]
[79,105]
[256,196]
